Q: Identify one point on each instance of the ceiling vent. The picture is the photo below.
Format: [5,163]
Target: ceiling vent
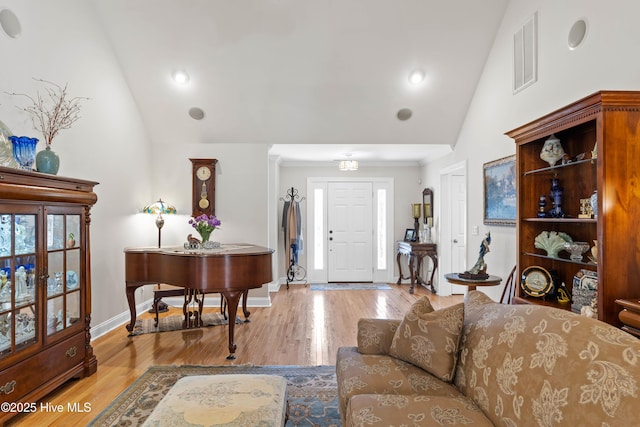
[525,55]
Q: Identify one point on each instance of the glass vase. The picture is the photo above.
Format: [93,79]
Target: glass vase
[556,198]
[24,151]
[205,234]
[47,161]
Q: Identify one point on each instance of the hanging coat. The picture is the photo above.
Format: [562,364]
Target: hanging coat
[292,226]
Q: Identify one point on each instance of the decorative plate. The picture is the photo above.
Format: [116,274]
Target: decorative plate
[536,281]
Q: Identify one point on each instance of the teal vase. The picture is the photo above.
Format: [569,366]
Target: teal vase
[47,161]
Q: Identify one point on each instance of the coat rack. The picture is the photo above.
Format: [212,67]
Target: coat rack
[292,196]
[295,272]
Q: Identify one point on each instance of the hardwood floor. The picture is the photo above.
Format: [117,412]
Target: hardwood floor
[302,327]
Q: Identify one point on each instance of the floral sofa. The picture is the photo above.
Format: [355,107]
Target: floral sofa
[480,363]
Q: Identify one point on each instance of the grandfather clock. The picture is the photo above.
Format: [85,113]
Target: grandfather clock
[204,187]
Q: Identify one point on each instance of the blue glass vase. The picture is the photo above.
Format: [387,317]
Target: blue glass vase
[24,151]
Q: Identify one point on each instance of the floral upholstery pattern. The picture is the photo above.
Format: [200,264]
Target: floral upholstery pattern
[429,339]
[518,365]
[413,410]
[534,365]
[363,374]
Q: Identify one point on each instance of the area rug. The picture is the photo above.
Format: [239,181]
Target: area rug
[174,323]
[311,390]
[348,286]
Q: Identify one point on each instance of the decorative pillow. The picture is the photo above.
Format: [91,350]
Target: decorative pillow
[429,339]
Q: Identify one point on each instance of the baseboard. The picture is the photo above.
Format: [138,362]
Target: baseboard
[118,321]
[283,282]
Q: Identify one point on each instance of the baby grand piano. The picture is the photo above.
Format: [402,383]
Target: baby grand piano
[231,270]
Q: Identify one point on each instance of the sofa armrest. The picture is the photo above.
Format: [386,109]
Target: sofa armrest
[375,335]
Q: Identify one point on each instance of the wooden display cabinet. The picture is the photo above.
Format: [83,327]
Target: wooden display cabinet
[607,123]
[45,285]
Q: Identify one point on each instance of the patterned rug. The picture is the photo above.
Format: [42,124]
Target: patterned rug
[348,286]
[312,393]
[174,323]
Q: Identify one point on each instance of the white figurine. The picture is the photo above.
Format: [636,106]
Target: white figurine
[21,283]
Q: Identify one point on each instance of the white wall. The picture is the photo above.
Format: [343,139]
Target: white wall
[241,194]
[605,60]
[108,144]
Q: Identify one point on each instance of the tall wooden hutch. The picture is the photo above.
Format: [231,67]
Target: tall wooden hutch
[605,126]
[45,285]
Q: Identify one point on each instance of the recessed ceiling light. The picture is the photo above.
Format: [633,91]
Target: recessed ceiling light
[181,77]
[416,76]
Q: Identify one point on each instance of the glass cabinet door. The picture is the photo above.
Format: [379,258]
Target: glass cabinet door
[63,270]
[18,292]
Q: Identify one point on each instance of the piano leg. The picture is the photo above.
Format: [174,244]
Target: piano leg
[244,307]
[232,298]
[131,299]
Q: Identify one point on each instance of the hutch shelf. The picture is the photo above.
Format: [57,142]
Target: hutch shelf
[45,284]
[600,135]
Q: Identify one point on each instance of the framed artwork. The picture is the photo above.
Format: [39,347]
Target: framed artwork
[410,235]
[500,192]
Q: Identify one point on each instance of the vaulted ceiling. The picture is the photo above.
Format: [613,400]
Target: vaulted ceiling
[330,75]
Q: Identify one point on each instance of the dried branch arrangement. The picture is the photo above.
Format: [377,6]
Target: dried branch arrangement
[53,110]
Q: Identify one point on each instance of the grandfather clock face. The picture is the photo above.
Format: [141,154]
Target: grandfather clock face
[203,193]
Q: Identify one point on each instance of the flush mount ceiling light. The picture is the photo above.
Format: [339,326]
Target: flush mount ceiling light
[416,76]
[180,77]
[348,165]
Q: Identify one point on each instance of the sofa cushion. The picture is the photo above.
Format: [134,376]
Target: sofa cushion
[414,410]
[429,339]
[359,373]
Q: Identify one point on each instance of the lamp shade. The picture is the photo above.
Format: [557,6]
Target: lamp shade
[159,208]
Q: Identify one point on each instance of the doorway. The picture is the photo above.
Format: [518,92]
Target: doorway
[453,226]
[350,229]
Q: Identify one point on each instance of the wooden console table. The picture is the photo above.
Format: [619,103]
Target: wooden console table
[630,316]
[416,252]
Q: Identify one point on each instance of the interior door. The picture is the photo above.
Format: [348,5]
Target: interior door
[458,228]
[350,232]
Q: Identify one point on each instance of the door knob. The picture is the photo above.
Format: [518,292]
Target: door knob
[455,240]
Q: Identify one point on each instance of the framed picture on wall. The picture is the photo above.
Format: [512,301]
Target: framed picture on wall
[500,192]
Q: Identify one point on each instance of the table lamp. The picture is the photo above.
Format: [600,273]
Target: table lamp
[158,208]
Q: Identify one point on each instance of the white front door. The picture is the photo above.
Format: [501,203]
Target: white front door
[350,232]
